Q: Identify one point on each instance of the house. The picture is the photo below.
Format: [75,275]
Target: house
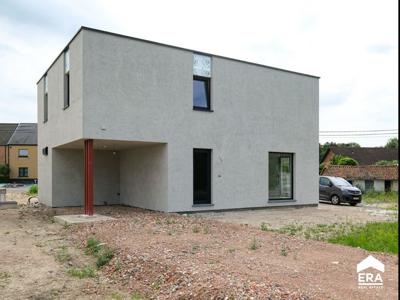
[129,121]
[18,150]
[367,178]
[363,155]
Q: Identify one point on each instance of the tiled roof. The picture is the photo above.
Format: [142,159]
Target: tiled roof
[366,155]
[362,172]
[6,131]
[24,134]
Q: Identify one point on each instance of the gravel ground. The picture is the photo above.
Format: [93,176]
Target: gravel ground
[170,256]
[324,213]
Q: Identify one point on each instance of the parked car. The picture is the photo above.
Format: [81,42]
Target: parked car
[338,190]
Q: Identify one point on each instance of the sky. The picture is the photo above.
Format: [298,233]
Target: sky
[352,45]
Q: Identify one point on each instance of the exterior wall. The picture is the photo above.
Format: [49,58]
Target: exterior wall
[63,125]
[16,162]
[360,184]
[3,160]
[68,180]
[379,185]
[395,185]
[256,110]
[144,177]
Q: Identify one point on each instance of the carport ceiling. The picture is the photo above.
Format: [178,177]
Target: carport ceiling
[112,145]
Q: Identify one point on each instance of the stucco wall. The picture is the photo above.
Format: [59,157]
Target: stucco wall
[379,185]
[395,185]
[144,177]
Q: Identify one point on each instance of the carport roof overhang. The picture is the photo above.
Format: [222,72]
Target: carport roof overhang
[111,145]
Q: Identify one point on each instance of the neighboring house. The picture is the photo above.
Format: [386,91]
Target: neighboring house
[18,150]
[6,131]
[363,155]
[367,178]
[128,121]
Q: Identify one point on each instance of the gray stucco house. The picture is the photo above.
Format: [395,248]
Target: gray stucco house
[134,122]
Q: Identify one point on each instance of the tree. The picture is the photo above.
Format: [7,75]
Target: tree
[392,143]
[340,160]
[323,148]
[4,170]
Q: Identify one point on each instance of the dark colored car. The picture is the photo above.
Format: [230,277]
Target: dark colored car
[338,190]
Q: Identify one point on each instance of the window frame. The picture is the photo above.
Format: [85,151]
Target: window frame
[27,151]
[67,92]
[24,174]
[207,81]
[208,201]
[45,99]
[291,154]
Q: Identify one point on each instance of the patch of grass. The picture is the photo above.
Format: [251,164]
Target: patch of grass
[136,296]
[195,248]
[116,296]
[253,245]
[206,229]
[104,257]
[284,250]
[377,236]
[33,190]
[118,265]
[4,279]
[374,197]
[63,255]
[196,229]
[102,253]
[170,221]
[86,272]
[265,227]
[93,246]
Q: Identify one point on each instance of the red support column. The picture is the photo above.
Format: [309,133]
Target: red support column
[88,161]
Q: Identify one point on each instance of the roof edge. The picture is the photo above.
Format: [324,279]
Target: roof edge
[172,46]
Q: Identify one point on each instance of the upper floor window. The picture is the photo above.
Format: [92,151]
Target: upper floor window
[66,78]
[23,153]
[201,82]
[45,100]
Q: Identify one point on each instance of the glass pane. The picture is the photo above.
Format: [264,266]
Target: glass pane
[201,65]
[66,61]
[45,84]
[280,176]
[200,93]
[23,152]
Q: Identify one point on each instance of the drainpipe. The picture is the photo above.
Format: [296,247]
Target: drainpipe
[88,166]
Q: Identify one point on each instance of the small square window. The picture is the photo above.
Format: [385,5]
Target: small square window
[22,172]
[23,153]
[201,93]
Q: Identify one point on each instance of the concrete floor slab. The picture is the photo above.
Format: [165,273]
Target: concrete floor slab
[75,219]
[8,204]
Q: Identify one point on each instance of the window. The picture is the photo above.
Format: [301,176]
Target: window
[201,176]
[388,185]
[280,176]
[66,79]
[22,172]
[369,185]
[23,153]
[45,100]
[201,82]
[324,181]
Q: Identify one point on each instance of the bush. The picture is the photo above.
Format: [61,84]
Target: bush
[387,163]
[343,161]
[33,190]
[4,170]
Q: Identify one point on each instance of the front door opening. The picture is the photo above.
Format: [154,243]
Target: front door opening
[201,176]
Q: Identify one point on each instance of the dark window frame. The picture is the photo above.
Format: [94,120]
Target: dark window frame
[67,91]
[208,200]
[23,172]
[291,154]
[207,80]
[388,185]
[45,99]
[19,155]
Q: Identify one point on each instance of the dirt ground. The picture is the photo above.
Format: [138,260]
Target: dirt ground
[324,213]
[170,256]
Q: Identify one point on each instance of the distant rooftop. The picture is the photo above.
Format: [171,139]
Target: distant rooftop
[363,172]
[24,134]
[6,131]
[366,155]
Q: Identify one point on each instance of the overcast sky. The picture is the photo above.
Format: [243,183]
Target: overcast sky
[352,45]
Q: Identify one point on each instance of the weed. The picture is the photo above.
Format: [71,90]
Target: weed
[93,246]
[4,279]
[86,272]
[63,255]
[264,226]
[206,229]
[118,265]
[195,248]
[33,190]
[158,222]
[136,296]
[196,229]
[253,244]
[66,225]
[116,296]
[170,221]
[284,250]
[104,257]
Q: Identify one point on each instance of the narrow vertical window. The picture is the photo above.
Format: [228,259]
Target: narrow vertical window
[201,82]
[45,100]
[66,78]
[280,176]
[201,176]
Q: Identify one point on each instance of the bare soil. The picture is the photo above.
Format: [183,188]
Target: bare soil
[170,256]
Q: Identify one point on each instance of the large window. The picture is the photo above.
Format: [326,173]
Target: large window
[201,82]
[23,153]
[45,100]
[22,172]
[280,176]
[201,176]
[66,79]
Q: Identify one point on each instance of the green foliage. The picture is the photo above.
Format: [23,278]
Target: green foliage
[104,257]
[377,236]
[93,246]
[102,253]
[33,190]
[86,272]
[136,296]
[321,167]
[323,148]
[4,170]
[343,160]
[63,255]
[392,143]
[253,244]
[264,226]
[387,163]
[380,197]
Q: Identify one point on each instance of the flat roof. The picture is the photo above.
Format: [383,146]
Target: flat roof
[170,46]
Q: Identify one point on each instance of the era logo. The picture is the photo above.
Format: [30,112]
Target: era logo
[370,279]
